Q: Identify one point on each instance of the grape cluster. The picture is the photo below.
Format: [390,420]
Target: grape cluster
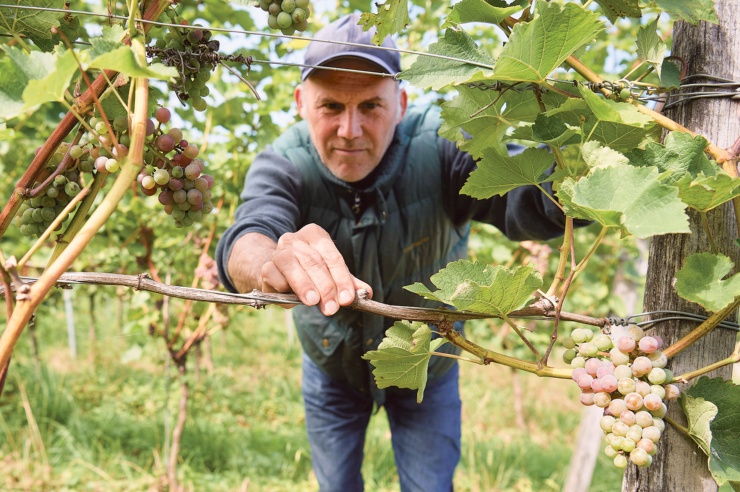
[173,170]
[36,214]
[191,51]
[287,15]
[630,382]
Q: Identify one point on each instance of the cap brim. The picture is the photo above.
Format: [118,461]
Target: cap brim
[349,54]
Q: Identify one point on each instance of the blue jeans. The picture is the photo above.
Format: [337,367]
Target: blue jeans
[425,437]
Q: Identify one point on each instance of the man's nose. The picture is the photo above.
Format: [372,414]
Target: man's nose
[350,125]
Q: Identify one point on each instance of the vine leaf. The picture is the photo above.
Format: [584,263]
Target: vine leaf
[108,52]
[429,71]
[499,174]
[550,130]
[491,11]
[680,154]
[472,286]
[596,155]
[700,280]
[670,75]
[614,9]
[16,70]
[692,11]
[704,193]
[712,408]
[650,46]
[487,128]
[392,18]
[629,198]
[56,82]
[402,358]
[538,47]
[615,124]
[36,24]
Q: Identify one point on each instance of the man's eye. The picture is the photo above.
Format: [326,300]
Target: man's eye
[371,105]
[333,106]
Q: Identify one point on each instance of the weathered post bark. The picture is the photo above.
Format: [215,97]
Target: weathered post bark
[707,49]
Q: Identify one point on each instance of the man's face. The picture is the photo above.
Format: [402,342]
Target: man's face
[351,117]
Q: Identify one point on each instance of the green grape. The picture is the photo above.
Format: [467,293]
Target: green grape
[52,191]
[274,9]
[58,181]
[264,5]
[71,188]
[299,15]
[284,20]
[47,201]
[288,6]
[301,26]
[288,31]
[120,123]
[35,201]
[199,104]
[48,214]
[75,152]
[112,165]
[205,91]
[100,128]
[301,4]
[195,216]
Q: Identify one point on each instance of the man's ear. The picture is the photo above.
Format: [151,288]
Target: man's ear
[298,96]
[403,101]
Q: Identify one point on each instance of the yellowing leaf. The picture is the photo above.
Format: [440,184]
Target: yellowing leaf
[700,280]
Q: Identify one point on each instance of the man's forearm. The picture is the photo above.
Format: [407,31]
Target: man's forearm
[249,254]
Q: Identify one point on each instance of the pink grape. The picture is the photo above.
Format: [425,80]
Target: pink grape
[648,345]
[149,191]
[175,133]
[626,344]
[609,383]
[163,115]
[672,392]
[584,382]
[165,143]
[641,366]
[587,398]
[628,417]
[596,385]
[191,151]
[577,373]
[592,365]
[643,419]
[208,178]
[192,171]
[633,401]
[175,184]
[150,127]
[617,406]
[652,402]
[165,197]
[642,388]
[647,445]
[602,399]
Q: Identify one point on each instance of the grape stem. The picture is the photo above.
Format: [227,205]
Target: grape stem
[453,356]
[732,359]
[564,249]
[680,428]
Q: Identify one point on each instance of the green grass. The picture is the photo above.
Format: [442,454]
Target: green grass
[83,425]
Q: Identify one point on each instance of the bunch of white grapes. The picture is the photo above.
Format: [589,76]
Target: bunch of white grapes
[287,15]
[628,379]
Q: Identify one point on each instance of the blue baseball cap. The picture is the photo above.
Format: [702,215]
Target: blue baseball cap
[347,30]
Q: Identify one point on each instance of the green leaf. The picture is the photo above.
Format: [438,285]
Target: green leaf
[51,87]
[614,9]
[629,198]
[436,73]
[670,75]
[692,11]
[551,130]
[392,18]
[712,408]
[490,11]
[680,154]
[16,70]
[402,358]
[486,116]
[707,192]
[538,47]
[108,52]
[596,155]
[619,126]
[498,174]
[36,24]
[650,46]
[480,288]
[700,281]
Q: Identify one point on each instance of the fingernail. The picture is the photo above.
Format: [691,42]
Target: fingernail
[312,297]
[345,297]
[331,307]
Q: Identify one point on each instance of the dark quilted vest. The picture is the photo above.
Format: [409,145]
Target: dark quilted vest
[403,237]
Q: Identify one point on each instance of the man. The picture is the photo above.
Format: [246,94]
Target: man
[364,194]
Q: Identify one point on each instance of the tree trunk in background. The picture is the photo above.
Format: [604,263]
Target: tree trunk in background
[707,49]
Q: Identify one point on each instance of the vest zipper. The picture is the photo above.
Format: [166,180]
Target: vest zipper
[357,206]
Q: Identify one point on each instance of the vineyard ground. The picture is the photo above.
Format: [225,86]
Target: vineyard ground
[75,424]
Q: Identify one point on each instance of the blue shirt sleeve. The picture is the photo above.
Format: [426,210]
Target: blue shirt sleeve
[270,198]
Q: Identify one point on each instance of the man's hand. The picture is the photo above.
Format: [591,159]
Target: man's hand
[306,262]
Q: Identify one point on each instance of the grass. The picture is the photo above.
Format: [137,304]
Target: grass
[78,425]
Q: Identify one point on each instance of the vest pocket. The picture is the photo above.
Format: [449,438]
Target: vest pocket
[319,336]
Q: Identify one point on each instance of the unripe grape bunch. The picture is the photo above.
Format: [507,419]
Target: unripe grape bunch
[53,192]
[191,51]
[288,16]
[628,379]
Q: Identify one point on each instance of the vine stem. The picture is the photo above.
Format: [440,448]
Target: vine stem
[686,377]
[489,356]
[702,329]
[457,357]
[591,251]
[521,335]
[708,230]
[564,253]
[680,428]
[132,165]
